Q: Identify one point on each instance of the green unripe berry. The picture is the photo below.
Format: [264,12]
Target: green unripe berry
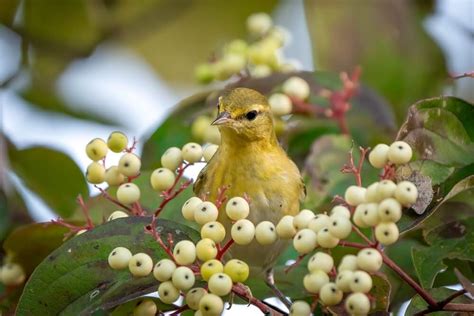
[117,214]
[183,278]
[406,193]
[206,212]
[12,274]
[314,281]
[305,241]
[369,260]
[319,222]
[265,233]
[326,239]
[357,304]
[172,158]
[192,152]
[146,308]
[168,292]
[400,153]
[205,73]
[211,267]
[214,231]
[220,284]
[184,252]
[211,305]
[300,308]
[330,294]
[113,177]
[386,189]
[237,270]
[243,232]
[209,151]
[344,279]
[237,208]
[117,142]
[378,156]
[348,262]
[128,193]
[296,87]
[361,282]
[302,219]
[206,249]
[280,104]
[390,210]
[285,228]
[129,165]
[95,173]
[193,297]
[164,269]
[96,149]
[190,207]
[340,210]
[140,265]
[387,233]
[320,261]
[355,195]
[340,226]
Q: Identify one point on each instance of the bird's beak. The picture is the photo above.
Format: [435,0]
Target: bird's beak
[222,118]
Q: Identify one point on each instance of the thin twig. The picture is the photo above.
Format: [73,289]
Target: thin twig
[106,195]
[222,251]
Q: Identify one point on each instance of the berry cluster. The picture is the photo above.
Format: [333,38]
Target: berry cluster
[259,57]
[12,274]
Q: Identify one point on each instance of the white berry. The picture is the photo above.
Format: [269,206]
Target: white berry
[128,193]
[296,87]
[280,104]
[146,308]
[164,269]
[330,294]
[358,216]
[129,165]
[237,208]
[184,252]
[305,241]
[320,261]
[211,267]
[314,281]
[369,259]
[319,222]
[259,23]
[300,308]
[162,179]
[183,278]
[193,297]
[243,232]
[211,305]
[206,212]
[406,193]
[344,279]
[357,304]
[117,141]
[168,292]
[369,214]
[340,210]
[113,177]
[390,210]
[371,195]
[265,233]
[206,249]
[361,282]
[386,189]
[326,239]
[355,195]
[190,207]
[302,219]
[119,258]
[285,228]
[386,233]
[172,158]
[96,149]
[340,226]
[348,262]
[220,284]
[95,173]
[12,274]
[140,265]
[400,153]
[209,151]
[117,214]
[192,152]
[378,157]
[214,231]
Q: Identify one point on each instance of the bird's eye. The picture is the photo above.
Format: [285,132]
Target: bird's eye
[251,115]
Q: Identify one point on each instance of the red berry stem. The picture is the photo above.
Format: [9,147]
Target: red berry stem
[294,264]
[169,195]
[85,210]
[243,292]
[151,229]
[221,197]
[352,168]
[224,249]
[106,195]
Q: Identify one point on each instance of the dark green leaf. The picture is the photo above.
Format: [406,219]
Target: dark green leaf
[50,174]
[417,304]
[76,277]
[127,308]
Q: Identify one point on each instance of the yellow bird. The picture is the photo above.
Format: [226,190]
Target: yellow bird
[251,162]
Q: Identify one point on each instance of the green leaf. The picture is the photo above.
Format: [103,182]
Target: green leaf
[52,175]
[76,278]
[127,308]
[417,304]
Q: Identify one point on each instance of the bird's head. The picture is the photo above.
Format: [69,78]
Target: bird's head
[244,114]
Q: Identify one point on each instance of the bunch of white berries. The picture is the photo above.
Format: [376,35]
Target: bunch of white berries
[294,87]
[12,274]
[260,56]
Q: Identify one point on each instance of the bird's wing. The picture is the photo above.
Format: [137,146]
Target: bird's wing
[199,183]
[303,190]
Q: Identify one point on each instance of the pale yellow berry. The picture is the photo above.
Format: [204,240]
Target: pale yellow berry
[285,228]
[340,226]
[162,179]
[198,127]
[205,73]
[212,136]
[261,71]
[183,278]
[128,193]
[220,284]
[145,308]
[344,279]
[406,193]
[400,153]
[390,210]
[209,151]
[206,212]
[265,233]
[387,233]
[305,241]
[296,87]
[96,149]
[232,63]
[369,259]
[211,267]
[192,152]
[140,265]
[190,207]
[340,210]
[280,104]
[259,23]
[184,252]
[164,269]
[117,214]
[359,213]
[302,219]
[172,158]
[314,281]
[237,46]
[355,195]
[211,305]
[369,214]
[378,156]
[214,231]
[320,261]
[168,292]
[386,189]
[361,282]
[206,249]
[243,232]
[193,297]
[330,294]
[113,177]
[319,222]
[348,262]
[326,239]
[371,195]
[12,274]
[95,173]
[129,165]
[117,142]
[300,308]
[357,304]
[237,270]
[237,208]
[280,35]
